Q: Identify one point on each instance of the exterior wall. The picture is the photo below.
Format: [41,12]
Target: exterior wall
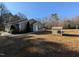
[22,26]
[16,28]
[7,27]
[37,27]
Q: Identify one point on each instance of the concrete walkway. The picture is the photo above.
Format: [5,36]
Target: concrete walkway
[5,34]
[13,35]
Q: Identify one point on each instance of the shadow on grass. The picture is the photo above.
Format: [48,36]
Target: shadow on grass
[23,37]
[10,46]
[43,32]
[71,35]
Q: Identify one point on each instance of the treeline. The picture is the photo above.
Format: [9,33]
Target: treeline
[54,20]
[71,23]
[51,20]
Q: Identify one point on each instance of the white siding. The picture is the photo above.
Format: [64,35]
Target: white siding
[22,26]
[7,27]
[37,27]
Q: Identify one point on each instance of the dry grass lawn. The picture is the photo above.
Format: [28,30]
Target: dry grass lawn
[43,44]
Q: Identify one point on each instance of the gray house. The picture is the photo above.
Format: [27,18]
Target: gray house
[23,26]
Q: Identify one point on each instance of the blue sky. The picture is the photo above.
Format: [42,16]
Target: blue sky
[43,9]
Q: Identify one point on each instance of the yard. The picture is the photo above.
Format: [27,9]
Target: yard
[41,44]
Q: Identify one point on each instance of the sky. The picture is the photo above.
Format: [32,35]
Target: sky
[44,9]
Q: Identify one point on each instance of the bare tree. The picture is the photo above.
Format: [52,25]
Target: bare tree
[52,20]
[3,14]
[22,16]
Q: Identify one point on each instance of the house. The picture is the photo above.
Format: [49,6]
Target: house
[23,26]
[16,26]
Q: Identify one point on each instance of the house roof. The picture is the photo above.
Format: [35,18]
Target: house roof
[14,22]
[32,21]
